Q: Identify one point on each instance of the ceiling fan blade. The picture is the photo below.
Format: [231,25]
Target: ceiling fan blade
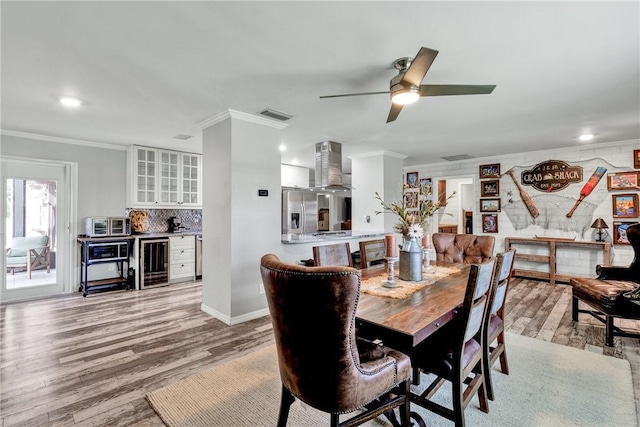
[419,66]
[354,94]
[440,90]
[394,112]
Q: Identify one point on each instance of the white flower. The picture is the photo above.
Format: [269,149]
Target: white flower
[415,231]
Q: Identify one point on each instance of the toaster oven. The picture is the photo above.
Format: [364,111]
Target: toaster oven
[102,226]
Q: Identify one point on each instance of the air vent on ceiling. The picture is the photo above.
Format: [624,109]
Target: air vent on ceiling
[457,157]
[181,136]
[278,115]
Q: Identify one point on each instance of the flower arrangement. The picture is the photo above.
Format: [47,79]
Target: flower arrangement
[412,222]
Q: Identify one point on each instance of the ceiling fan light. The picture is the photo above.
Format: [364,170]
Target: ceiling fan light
[70,102]
[405,96]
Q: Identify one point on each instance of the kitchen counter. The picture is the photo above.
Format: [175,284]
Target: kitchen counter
[166,234]
[328,236]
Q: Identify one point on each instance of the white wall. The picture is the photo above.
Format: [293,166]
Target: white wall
[240,156]
[377,172]
[101,172]
[616,156]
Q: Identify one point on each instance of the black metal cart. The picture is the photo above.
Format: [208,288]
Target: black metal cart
[104,250]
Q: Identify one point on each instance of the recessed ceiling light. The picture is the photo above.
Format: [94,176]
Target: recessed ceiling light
[294,161]
[70,102]
[586,137]
[282,147]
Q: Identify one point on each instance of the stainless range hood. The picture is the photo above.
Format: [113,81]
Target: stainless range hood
[328,172]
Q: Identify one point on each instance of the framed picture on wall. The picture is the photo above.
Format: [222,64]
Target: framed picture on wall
[622,180]
[489,223]
[425,186]
[625,205]
[490,188]
[412,180]
[490,171]
[620,233]
[636,159]
[411,199]
[490,205]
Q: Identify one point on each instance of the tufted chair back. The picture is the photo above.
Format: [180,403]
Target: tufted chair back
[463,248]
[313,311]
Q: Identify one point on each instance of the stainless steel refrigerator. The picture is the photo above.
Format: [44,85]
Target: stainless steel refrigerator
[299,212]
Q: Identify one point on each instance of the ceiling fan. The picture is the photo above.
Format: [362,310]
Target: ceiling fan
[406,87]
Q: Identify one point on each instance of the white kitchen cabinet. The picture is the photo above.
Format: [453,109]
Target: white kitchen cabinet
[182,253]
[191,168]
[163,178]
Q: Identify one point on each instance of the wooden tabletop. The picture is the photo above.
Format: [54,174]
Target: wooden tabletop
[404,323]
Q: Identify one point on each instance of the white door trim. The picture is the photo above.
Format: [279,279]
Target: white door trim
[68,226]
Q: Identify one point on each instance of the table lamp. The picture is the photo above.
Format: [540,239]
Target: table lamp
[599,224]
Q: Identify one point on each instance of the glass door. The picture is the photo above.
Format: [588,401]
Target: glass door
[35,232]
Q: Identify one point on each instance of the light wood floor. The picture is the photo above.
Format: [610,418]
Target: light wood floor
[91,361]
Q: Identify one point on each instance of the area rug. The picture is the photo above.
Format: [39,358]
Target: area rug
[548,385]
[374,285]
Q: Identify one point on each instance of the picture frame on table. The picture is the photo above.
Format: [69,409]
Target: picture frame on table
[489,223]
[623,180]
[412,180]
[490,205]
[620,233]
[625,205]
[490,188]
[489,171]
[636,159]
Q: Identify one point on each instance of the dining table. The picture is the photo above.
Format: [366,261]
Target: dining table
[403,323]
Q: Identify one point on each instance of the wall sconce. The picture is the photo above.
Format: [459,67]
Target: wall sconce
[599,224]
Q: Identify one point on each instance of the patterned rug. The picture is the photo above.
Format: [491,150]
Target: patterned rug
[374,285]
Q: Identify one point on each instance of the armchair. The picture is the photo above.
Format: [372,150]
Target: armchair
[463,248]
[29,253]
[313,311]
[604,294]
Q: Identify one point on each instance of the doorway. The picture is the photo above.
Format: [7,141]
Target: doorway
[35,202]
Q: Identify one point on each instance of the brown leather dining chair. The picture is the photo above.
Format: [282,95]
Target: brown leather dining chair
[463,248]
[321,362]
[494,320]
[454,353]
[333,254]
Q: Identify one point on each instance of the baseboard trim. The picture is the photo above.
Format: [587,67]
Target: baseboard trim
[234,320]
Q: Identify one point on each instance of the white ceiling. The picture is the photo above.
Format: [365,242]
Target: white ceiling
[148,71]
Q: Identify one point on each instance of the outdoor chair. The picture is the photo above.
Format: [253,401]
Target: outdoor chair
[29,253]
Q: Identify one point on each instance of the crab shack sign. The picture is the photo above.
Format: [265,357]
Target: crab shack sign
[551,176]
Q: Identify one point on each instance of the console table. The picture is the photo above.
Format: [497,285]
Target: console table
[552,245]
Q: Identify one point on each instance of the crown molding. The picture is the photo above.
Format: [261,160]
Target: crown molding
[63,140]
[379,153]
[233,114]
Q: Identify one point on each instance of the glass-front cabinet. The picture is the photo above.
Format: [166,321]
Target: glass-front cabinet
[163,178]
[169,177]
[191,173]
[145,180]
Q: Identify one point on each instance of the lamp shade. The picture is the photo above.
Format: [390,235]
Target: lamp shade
[599,223]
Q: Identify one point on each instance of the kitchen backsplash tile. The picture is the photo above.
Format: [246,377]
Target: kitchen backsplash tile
[158,219]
